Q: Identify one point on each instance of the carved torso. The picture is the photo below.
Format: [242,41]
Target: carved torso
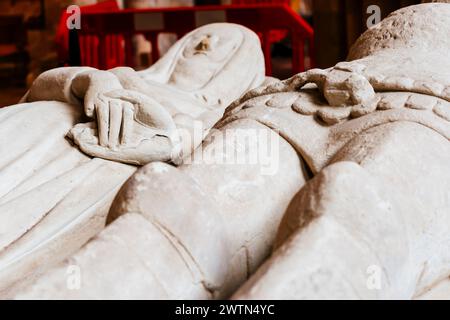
[318,130]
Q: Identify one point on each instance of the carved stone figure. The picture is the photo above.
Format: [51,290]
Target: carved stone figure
[53,197]
[374,222]
[357,208]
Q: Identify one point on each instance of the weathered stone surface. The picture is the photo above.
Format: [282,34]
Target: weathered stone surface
[53,198]
[378,206]
[367,217]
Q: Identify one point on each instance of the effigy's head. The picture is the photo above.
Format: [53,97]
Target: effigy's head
[215,61]
[420,27]
[206,50]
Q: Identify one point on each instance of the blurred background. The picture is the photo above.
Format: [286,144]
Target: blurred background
[295,34]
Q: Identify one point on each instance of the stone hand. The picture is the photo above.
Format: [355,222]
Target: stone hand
[131,128]
[114,121]
[341,86]
[87,86]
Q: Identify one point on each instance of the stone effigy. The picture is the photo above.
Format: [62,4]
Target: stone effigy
[367,144]
[373,223]
[53,197]
[139,114]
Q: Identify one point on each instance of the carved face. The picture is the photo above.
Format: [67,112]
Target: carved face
[204,55]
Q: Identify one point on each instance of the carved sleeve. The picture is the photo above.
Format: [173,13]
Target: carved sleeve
[56,84]
[75,85]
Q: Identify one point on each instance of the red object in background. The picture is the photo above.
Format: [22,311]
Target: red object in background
[105,38]
[62,33]
[275,35]
[14,57]
[245,2]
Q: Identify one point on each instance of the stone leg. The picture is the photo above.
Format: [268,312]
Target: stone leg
[50,200]
[197,231]
[373,225]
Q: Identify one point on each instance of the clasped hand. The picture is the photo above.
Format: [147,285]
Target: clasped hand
[130,127]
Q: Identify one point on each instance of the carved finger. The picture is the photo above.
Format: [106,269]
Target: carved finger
[95,150]
[125,95]
[102,112]
[115,120]
[127,122]
[89,103]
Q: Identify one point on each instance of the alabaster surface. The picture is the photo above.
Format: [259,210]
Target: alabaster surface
[59,172]
[361,180]
[382,202]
